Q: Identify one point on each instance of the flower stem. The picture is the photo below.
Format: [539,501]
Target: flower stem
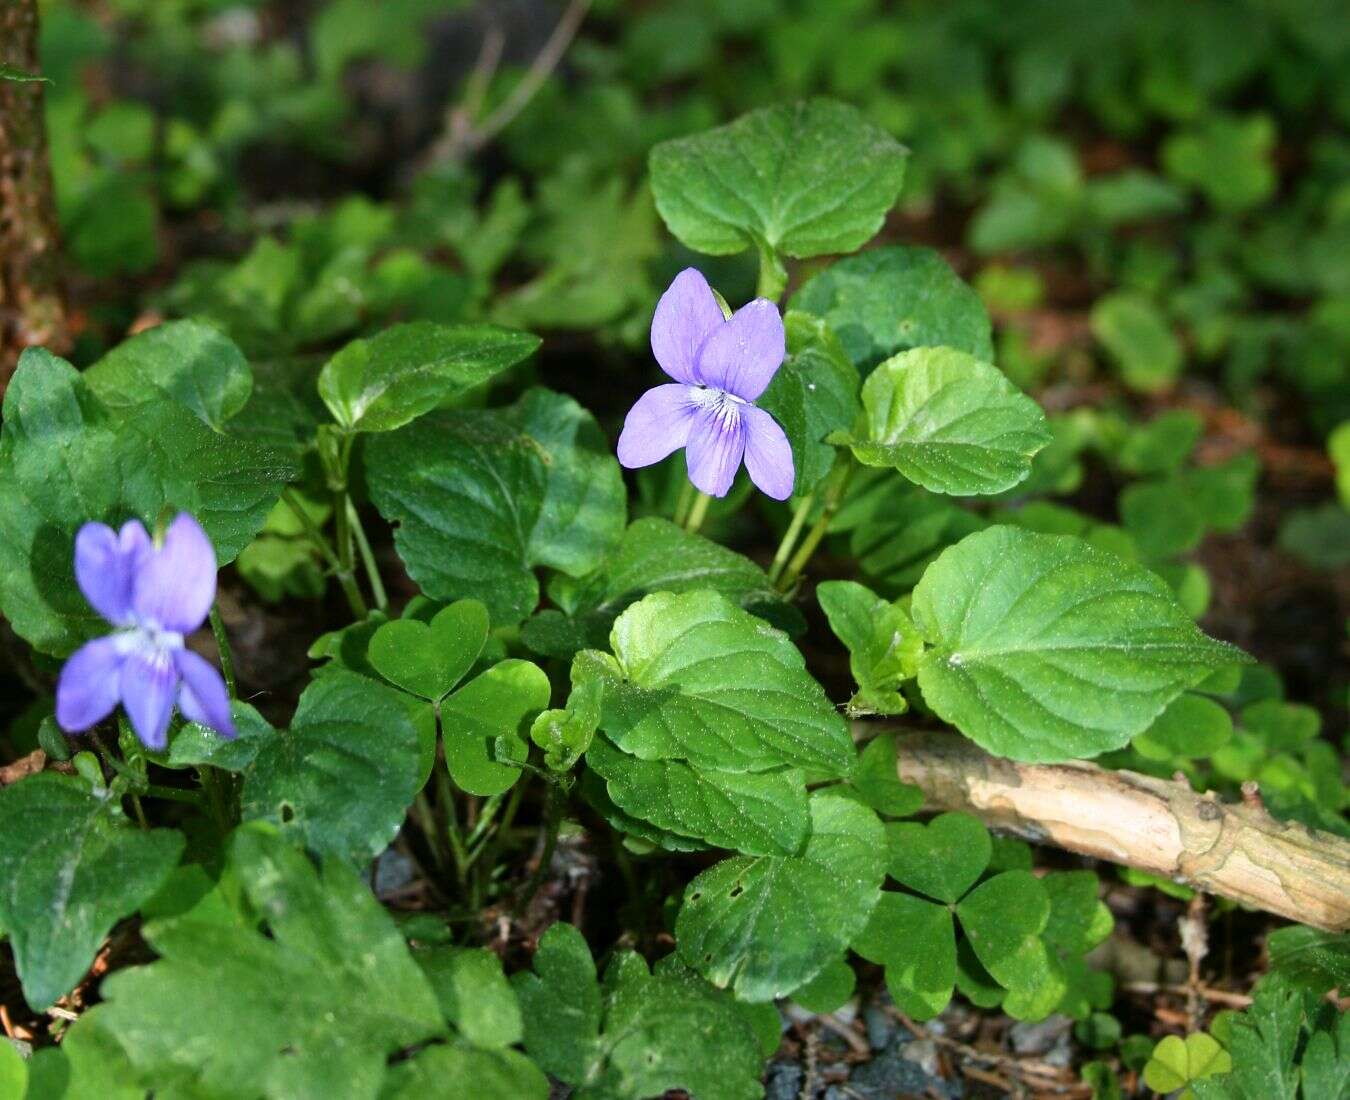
[345,577]
[799,517]
[834,496]
[696,513]
[223,644]
[682,504]
[367,557]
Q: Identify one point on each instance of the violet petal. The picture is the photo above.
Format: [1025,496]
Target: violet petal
[744,354]
[106,563]
[90,684]
[149,684]
[177,582]
[685,317]
[768,455]
[657,425]
[716,445]
[202,696]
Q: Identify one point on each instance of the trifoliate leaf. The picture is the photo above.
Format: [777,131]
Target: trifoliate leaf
[1176,1062]
[66,459]
[341,779]
[481,498]
[484,725]
[647,1033]
[763,926]
[890,299]
[383,383]
[882,641]
[70,867]
[949,423]
[696,678]
[429,659]
[758,813]
[314,1009]
[1003,918]
[942,859]
[806,179]
[1046,648]
[915,940]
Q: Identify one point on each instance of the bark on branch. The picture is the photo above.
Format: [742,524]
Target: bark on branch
[1233,850]
[32,297]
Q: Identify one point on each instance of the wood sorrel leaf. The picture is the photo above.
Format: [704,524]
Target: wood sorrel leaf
[484,725]
[429,659]
[642,1035]
[915,940]
[189,362]
[342,778]
[806,179]
[383,383]
[890,299]
[698,679]
[483,497]
[230,1011]
[1047,648]
[1003,918]
[882,640]
[70,867]
[814,393]
[949,423]
[66,459]
[942,859]
[765,925]
[758,813]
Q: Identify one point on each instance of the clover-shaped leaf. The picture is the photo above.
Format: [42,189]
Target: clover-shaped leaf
[485,723]
[942,859]
[1003,918]
[915,940]
[429,659]
[1176,1062]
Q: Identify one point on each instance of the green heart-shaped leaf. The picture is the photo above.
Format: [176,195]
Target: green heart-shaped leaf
[429,659]
[486,722]
[942,859]
[915,941]
[1003,918]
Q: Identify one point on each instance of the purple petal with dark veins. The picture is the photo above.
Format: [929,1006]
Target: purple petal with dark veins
[716,444]
[149,687]
[657,425]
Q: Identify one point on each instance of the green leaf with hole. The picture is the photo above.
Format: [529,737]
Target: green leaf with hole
[1044,647]
[890,299]
[71,866]
[915,940]
[695,678]
[384,382]
[949,423]
[882,641]
[758,813]
[67,458]
[942,859]
[316,1007]
[766,925]
[429,659]
[480,498]
[341,779]
[484,725]
[806,179]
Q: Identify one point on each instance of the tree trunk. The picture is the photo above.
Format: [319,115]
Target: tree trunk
[1233,850]
[32,295]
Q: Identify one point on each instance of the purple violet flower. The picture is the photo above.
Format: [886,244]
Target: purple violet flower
[720,365]
[154,595]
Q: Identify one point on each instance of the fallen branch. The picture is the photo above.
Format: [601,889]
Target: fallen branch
[1233,850]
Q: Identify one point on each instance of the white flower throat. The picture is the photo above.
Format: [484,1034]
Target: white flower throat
[725,407]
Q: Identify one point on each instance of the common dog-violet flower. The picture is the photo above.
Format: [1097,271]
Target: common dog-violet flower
[153,595]
[720,366]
